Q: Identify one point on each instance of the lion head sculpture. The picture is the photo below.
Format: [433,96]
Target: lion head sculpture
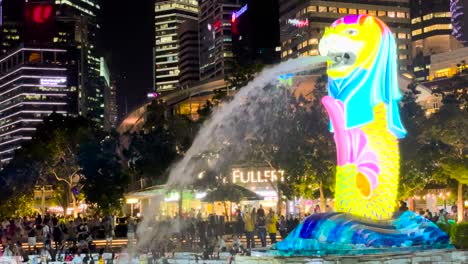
[362,69]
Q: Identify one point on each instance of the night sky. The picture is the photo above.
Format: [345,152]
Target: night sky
[127,41]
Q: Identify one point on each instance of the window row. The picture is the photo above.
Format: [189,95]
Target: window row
[344,10]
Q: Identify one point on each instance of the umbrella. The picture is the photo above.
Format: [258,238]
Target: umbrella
[232,193]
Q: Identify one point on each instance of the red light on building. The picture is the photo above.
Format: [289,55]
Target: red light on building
[41,13]
[39,26]
[217,24]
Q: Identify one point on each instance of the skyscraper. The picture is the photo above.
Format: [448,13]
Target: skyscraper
[189,64]
[34,82]
[91,87]
[216,54]
[431,33]
[169,14]
[11,24]
[459,10]
[255,33]
[302,23]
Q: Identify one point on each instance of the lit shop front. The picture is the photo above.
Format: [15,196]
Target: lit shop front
[262,181]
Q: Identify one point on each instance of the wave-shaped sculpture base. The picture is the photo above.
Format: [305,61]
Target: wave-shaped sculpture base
[344,234]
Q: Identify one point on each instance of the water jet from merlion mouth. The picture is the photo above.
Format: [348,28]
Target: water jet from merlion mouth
[223,128]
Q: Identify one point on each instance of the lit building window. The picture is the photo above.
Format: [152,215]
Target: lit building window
[402,47]
[362,11]
[438,27]
[372,12]
[312,9]
[352,11]
[299,46]
[428,16]
[403,56]
[443,14]
[313,41]
[304,44]
[401,14]
[381,13]
[313,52]
[416,32]
[343,10]
[391,14]
[322,9]
[333,9]
[415,20]
[401,35]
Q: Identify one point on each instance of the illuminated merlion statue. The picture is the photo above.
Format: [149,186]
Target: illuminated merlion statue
[363,109]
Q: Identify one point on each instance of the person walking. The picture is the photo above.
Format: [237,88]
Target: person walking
[272,225]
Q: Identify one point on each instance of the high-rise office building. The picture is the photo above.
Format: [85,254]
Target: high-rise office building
[189,64]
[431,33]
[169,14]
[110,97]
[34,82]
[216,55]
[11,24]
[86,14]
[459,10]
[302,23]
[255,33]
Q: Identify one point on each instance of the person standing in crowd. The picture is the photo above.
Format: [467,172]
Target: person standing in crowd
[46,234]
[57,235]
[428,214]
[108,231]
[272,220]
[249,219]
[261,225]
[283,228]
[32,241]
[240,224]
[131,228]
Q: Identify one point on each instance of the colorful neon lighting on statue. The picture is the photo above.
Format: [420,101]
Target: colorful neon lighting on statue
[298,23]
[363,109]
[237,14]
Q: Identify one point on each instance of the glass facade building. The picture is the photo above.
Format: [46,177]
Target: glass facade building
[168,17]
[302,24]
[215,33]
[431,33]
[85,14]
[34,82]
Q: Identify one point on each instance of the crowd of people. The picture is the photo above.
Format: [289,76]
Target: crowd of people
[212,236]
[58,235]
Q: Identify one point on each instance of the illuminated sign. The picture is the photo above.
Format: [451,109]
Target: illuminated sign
[53,81]
[41,13]
[298,23]
[237,14]
[153,95]
[256,176]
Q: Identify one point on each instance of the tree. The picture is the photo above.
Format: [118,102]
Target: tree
[101,165]
[417,154]
[240,75]
[449,128]
[19,205]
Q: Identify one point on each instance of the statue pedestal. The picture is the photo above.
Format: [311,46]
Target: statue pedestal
[345,234]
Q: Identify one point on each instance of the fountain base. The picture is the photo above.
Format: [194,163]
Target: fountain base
[345,234]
